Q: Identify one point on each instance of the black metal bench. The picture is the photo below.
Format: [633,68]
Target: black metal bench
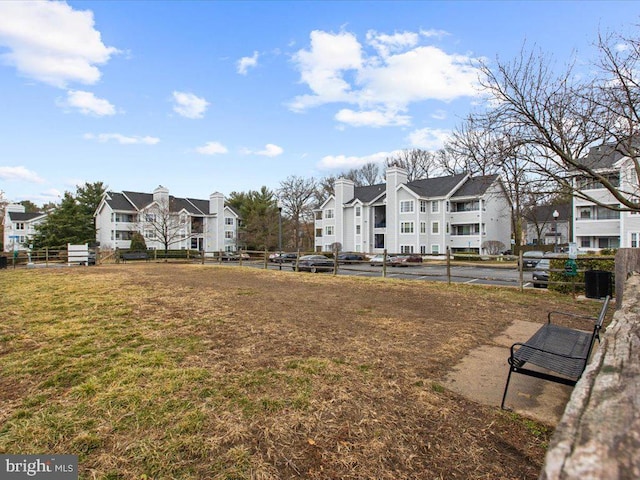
[561,352]
[134,256]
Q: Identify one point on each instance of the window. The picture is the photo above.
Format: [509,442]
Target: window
[328,230]
[328,213]
[229,221]
[598,213]
[423,249]
[406,248]
[406,227]
[585,242]
[406,206]
[125,217]
[470,229]
[378,240]
[609,242]
[423,206]
[435,249]
[19,226]
[603,213]
[634,240]
[470,206]
[588,183]
[149,234]
[358,211]
[423,227]
[228,235]
[318,232]
[584,213]
[435,228]
[435,206]
[358,229]
[319,215]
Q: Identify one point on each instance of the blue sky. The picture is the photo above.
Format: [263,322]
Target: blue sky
[207,96]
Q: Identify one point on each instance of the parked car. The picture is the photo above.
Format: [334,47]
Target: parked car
[378,260]
[229,257]
[283,257]
[531,258]
[405,260]
[314,263]
[540,274]
[350,257]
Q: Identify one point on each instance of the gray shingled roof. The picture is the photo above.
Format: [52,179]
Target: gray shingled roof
[133,201]
[24,217]
[436,187]
[607,154]
[119,202]
[368,193]
[475,186]
[544,213]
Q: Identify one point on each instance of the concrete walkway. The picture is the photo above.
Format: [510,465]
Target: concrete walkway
[482,374]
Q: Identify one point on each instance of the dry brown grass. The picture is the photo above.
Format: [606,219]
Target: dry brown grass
[189,371]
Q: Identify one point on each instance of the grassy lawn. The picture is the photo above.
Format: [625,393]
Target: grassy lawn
[208,372]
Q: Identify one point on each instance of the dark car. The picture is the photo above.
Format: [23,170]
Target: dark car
[540,274]
[314,263]
[350,257]
[283,257]
[530,259]
[405,260]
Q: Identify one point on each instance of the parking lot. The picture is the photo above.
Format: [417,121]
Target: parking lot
[507,275]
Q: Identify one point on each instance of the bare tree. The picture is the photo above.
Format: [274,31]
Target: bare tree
[418,163]
[369,174]
[557,118]
[164,225]
[296,195]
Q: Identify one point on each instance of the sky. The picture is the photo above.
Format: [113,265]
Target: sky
[224,96]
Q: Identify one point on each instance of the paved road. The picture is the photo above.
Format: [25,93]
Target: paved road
[471,274]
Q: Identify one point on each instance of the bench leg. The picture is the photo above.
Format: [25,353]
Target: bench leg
[506,387]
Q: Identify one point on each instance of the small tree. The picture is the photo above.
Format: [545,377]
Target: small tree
[493,247]
[137,242]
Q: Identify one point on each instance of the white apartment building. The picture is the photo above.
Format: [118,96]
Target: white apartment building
[207,225]
[596,227]
[19,227]
[424,216]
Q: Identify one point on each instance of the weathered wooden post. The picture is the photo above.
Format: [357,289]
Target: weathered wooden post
[384,263]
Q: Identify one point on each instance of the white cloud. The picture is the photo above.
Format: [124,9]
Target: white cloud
[429,139]
[321,68]
[371,118]
[52,43]
[189,105]
[397,71]
[247,62]
[386,44]
[434,33]
[348,162]
[439,115]
[212,148]
[88,104]
[19,174]
[271,150]
[122,139]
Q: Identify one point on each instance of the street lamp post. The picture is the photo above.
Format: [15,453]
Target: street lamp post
[279,235]
[555,233]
